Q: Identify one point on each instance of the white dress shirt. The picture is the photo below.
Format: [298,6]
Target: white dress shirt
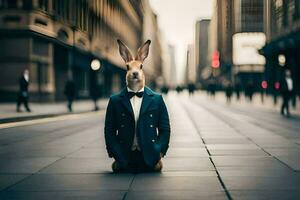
[26,77]
[289,82]
[136,104]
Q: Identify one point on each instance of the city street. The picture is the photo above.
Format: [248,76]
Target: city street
[217,151]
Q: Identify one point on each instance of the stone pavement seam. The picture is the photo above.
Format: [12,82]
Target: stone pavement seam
[239,132]
[125,195]
[218,175]
[30,175]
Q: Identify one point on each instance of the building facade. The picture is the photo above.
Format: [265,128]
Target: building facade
[201,47]
[220,37]
[282,25]
[154,63]
[230,18]
[249,37]
[190,74]
[57,40]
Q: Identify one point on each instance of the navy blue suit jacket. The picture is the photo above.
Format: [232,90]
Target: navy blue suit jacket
[153,127]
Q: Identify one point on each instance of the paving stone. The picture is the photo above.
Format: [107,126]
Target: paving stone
[265,195]
[80,182]
[187,164]
[227,141]
[283,151]
[89,153]
[25,165]
[244,161]
[292,161]
[179,173]
[79,165]
[177,138]
[175,195]
[238,152]
[259,172]
[10,179]
[186,144]
[187,152]
[231,146]
[63,195]
[261,183]
[149,183]
[39,152]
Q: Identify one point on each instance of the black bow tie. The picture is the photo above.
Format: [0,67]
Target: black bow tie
[138,94]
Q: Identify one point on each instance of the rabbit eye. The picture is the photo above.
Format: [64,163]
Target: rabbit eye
[141,66]
[127,66]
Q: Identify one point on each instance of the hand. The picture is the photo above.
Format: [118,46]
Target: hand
[158,166]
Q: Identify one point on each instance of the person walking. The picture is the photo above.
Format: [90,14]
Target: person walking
[286,89]
[23,91]
[70,92]
[228,92]
[237,89]
[95,93]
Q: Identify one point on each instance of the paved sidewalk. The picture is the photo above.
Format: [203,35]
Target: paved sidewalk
[213,155]
[8,110]
[267,103]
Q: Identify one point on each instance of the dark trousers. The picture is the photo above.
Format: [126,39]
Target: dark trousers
[22,100]
[136,164]
[70,103]
[285,104]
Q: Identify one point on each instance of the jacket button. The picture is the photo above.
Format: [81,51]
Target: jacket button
[122,126]
[151,115]
[153,140]
[123,114]
[151,126]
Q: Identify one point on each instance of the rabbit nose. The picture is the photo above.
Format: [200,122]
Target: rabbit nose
[135,73]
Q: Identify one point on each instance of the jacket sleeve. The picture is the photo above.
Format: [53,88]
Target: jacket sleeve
[110,132]
[163,128]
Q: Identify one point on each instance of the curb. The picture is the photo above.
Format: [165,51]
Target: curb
[27,118]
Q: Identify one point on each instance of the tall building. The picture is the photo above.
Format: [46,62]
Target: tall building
[248,16]
[220,36]
[58,39]
[234,21]
[248,38]
[282,25]
[153,64]
[190,74]
[173,67]
[201,47]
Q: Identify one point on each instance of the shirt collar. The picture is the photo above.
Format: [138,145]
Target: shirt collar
[129,90]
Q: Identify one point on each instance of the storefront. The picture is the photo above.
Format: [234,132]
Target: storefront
[281,54]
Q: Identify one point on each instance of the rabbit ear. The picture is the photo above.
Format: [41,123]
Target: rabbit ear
[124,52]
[143,51]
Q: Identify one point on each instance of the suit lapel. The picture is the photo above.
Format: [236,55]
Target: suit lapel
[147,99]
[126,102]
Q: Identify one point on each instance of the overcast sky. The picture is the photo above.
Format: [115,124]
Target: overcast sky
[177,20]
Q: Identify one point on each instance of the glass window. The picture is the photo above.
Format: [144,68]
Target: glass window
[43,5]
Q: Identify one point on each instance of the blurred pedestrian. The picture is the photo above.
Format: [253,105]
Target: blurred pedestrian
[191,88]
[95,93]
[228,92]
[286,89]
[249,90]
[164,89]
[23,91]
[70,92]
[237,89]
[178,89]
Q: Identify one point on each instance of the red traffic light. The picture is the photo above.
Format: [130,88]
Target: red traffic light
[277,85]
[215,63]
[264,84]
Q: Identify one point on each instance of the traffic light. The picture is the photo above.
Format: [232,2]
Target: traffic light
[215,63]
[264,84]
